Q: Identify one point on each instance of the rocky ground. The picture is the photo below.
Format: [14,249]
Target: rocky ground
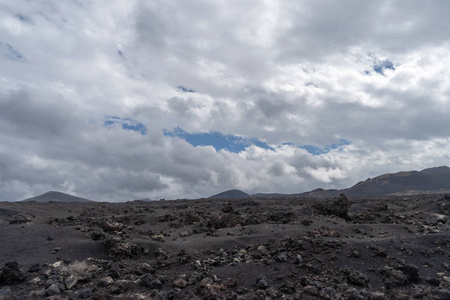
[283,248]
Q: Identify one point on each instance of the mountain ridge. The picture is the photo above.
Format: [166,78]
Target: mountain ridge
[431,180]
[230,194]
[54,196]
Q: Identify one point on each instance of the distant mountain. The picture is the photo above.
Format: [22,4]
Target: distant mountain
[432,180]
[144,200]
[428,180]
[269,195]
[231,194]
[53,196]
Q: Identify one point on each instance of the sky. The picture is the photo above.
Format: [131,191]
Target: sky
[122,100]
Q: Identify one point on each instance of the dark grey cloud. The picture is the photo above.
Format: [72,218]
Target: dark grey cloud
[34,116]
[324,28]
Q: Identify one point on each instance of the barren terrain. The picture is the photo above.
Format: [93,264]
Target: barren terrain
[271,248]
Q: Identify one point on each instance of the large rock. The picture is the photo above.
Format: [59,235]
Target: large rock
[338,207]
[356,277]
[118,249]
[261,282]
[53,290]
[70,281]
[11,274]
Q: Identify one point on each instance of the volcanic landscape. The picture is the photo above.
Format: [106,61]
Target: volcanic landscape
[272,247]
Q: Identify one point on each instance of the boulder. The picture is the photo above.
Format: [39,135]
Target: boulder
[11,274]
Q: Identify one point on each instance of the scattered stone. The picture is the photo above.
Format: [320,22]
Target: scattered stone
[158,238]
[206,281]
[144,268]
[310,289]
[230,282]
[184,234]
[98,235]
[57,264]
[70,281]
[85,294]
[281,258]
[353,294]
[328,293]
[156,283]
[106,281]
[356,277]
[20,219]
[110,227]
[118,249]
[262,249]
[5,291]
[180,282]
[443,294]
[53,290]
[34,268]
[261,282]
[121,286]
[35,280]
[394,277]
[410,271]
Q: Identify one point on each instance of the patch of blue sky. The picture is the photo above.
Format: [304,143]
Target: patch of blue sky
[379,68]
[126,123]
[185,89]
[316,150]
[219,141]
[236,144]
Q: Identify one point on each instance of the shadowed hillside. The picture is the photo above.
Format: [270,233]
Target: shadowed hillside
[53,196]
[231,194]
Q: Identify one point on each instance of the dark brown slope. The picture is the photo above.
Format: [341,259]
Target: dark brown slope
[428,181]
[433,180]
[231,194]
[53,196]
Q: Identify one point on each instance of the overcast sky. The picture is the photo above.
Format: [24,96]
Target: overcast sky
[122,100]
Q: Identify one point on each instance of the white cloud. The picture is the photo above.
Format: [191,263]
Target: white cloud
[286,72]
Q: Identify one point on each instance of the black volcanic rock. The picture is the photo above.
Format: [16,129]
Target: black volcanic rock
[338,207]
[53,196]
[11,274]
[388,248]
[231,194]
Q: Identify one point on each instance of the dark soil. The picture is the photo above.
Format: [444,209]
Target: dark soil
[277,248]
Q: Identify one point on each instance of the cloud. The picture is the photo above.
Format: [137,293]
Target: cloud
[125,100]
[9,53]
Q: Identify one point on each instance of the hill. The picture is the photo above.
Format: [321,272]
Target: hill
[231,194]
[53,196]
[433,180]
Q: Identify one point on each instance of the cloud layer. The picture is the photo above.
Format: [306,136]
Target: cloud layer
[320,93]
